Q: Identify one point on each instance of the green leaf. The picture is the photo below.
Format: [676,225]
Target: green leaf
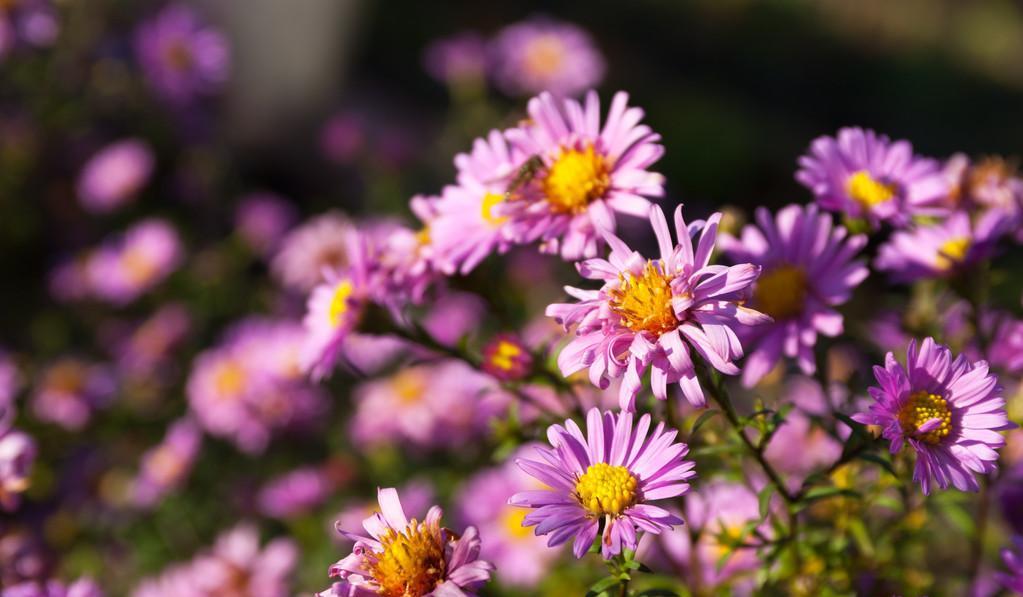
[602,585]
[764,500]
[820,493]
[657,593]
[703,418]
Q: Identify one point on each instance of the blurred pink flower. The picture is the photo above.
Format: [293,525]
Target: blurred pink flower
[114,175]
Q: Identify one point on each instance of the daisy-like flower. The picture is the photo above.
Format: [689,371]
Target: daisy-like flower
[181,56]
[586,173]
[606,478]
[127,266]
[408,558]
[865,175]
[652,312]
[808,270]
[335,308]
[948,410]
[1013,558]
[943,249]
[457,60]
[470,222]
[165,466]
[27,23]
[545,55]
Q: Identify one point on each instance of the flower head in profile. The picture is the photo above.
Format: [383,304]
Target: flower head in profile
[400,557]
[943,249]
[181,56]
[867,176]
[166,466]
[335,308]
[605,480]
[808,270]
[17,456]
[1013,558]
[114,175]
[542,54]
[651,313]
[948,410]
[586,173]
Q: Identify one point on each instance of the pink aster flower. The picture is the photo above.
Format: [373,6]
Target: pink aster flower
[807,270]
[28,23]
[83,587]
[456,60]
[799,448]
[949,411]
[587,173]
[335,307]
[262,219]
[988,183]
[543,54]
[127,266]
[865,175]
[416,496]
[70,390]
[166,466]
[320,244]
[717,512]
[1013,558]
[235,565]
[611,474]
[942,249]
[294,492]
[114,175]
[407,557]
[405,257]
[471,222]
[651,313]
[17,456]
[146,349]
[520,556]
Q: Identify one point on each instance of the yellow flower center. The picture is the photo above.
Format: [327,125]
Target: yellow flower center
[511,520]
[504,355]
[781,291]
[922,407]
[606,489]
[644,302]
[721,542]
[411,563]
[138,265]
[490,200]
[166,465]
[868,191]
[952,252]
[339,302]
[423,236]
[544,55]
[575,179]
[409,386]
[229,380]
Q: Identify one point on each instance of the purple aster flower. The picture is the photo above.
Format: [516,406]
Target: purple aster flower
[165,467]
[318,245]
[128,265]
[417,496]
[543,54]
[807,270]
[68,392]
[519,556]
[799,448]
[717,512]
[447,404]
[471,222]
[949,411]
[294,493]
[942,249]
[865,175]
[1005,350]
[988,183]
[343,137]
[236,565]
[407,557]
[181,56]
[262,219]
[83,587]
[27,22]
[17,455]
[114,175]
[251,384]
[1013,558]
[456,60]
[405,258]
[610,475]
[585,174]
[651,313]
